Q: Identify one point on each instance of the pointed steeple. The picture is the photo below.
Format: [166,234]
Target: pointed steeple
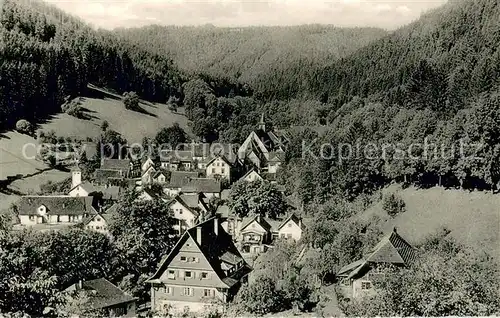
[262,123]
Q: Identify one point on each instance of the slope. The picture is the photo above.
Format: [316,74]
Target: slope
[460,41]
[473,218]
[274,61]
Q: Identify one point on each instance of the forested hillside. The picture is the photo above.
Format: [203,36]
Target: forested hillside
[46,55]
[442,61]
[429,92]
[274,61]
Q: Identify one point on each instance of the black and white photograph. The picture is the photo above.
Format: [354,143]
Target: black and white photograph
[249,158]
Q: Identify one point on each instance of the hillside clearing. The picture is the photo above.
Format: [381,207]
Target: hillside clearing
[106,106]
[472,217]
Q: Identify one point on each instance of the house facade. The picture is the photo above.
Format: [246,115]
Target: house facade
[203,270]
[254,235]
[356,279]
[187,210]
[54,210]
[219,168]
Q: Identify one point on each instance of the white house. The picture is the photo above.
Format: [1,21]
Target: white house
[219,168]
[34,210]
[291,228]
[187,210]
[96,222]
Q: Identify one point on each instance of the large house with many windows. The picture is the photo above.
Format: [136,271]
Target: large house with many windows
[204,269]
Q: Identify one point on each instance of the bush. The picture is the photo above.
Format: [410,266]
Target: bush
[393,204]
[261,297]
[23,126]
[131,100]
[73,108]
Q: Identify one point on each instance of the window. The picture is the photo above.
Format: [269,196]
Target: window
[213,170]
[289,224]
[207,292]
[222,170]
[289,235]
[167,290]
[171,274]
[58,218]
[194,260]
[282,235]
[204,275]
[183,259]
[98,219]
[188,291]
[188,274]
[32,218]
[366,285]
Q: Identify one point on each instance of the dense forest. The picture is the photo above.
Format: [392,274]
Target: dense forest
[435,79]
[46,55]
[274,61]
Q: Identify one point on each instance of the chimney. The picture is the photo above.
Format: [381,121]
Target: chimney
[395,230]
[216,226]
[80,284]
[198,234]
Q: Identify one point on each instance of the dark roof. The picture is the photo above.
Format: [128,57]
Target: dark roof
[111,193]
[103,293]
[222,157]
[171,155]
[294,218]
[260,220]
[102,175]
[178,179]
[204,185]
[217,249]
[158,173]
[392,249]
[251,171]
[89,218]
[115,164]
[56,205]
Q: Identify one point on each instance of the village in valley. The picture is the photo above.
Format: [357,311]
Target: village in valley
[248,159]
[215,247]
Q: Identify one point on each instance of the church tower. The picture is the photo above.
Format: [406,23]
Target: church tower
[262,123]
[76,176]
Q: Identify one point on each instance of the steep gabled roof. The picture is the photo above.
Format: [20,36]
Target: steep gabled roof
[102,175]
[178,179]
[221,157]
[204,185]
[218,249]
[56,205]
[103,293]
[115,164]
[250,172]
[293,218]
[392,249]
[260,220]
